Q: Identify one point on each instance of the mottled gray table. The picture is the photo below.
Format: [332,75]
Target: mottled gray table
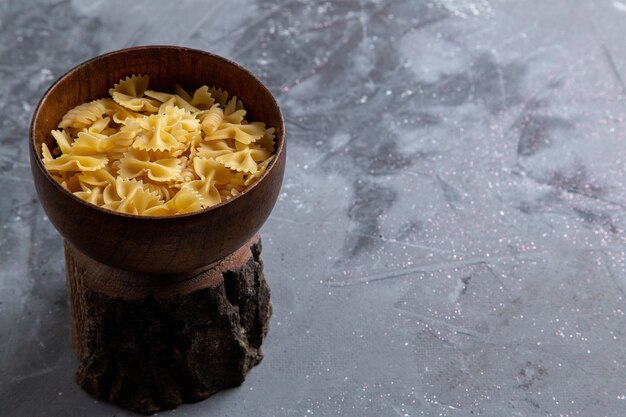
[450,235]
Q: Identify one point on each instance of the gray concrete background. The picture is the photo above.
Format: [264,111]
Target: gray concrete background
[449,240]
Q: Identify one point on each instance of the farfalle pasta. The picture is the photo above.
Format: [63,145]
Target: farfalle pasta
[152,153]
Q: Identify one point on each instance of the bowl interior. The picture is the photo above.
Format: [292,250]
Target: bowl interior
[168,244]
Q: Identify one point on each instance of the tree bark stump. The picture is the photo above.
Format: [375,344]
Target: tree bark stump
[151,342]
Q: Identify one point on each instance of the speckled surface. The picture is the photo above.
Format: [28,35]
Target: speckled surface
[450,236]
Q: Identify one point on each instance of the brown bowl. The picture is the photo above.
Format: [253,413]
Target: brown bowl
[171,244]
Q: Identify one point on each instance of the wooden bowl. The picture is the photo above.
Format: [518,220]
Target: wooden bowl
[156,245]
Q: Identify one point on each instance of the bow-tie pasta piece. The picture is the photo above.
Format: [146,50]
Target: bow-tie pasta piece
[244,133]
[64,141]
[116,191]
[68,180]
[137,202]
[234,111]
[171,130]
[207,189]
[96,179]
[122,141]
[260,153]
[162,97]
[214,148]
[91,195]
[171,100]
[202,98]
[101,126]
[267,141]
[220,96]
[186,200]
[71,162]
[152,153]
[119,114]
[92,144]
[244,160]
[129,93]
[261,168]
[137,162]
[130,197]
[208,169]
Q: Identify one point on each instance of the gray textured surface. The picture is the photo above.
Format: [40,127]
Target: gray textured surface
[450,236]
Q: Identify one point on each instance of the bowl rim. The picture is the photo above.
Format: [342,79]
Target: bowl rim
[280,149]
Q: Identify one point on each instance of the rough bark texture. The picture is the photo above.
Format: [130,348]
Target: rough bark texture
[166,340]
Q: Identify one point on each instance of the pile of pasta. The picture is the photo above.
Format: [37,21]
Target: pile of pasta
[150,153]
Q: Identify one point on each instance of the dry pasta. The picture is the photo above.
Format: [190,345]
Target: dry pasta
[152,153]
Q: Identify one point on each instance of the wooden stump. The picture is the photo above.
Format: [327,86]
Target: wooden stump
[151,342]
